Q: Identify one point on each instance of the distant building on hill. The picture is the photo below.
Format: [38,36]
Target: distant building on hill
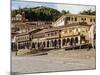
[75,19]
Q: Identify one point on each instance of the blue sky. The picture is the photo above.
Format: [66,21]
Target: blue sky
[72,8]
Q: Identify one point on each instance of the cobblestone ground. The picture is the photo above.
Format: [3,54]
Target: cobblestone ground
[46,63]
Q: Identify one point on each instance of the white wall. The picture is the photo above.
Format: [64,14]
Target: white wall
[59,23]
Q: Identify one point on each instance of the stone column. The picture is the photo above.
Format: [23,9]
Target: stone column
[50,43]
[79,39]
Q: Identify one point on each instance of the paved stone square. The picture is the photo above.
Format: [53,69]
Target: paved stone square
[47,63]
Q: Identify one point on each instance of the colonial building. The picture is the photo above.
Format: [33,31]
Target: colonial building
[75,19]
[23,40]
[20,27]
[60,37]
[21,24]
[18,17]
[68,31]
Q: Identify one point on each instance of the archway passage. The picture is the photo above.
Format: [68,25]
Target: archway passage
[47,43]
[68,41]
[55,43]
[83,40]
[72,41]
[28,45]
[33,45]
[64,42]
[38,45]
[76,40]
[59,42]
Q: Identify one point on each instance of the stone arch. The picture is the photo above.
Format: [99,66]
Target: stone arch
[59,42]
[36,44]
[63,41]
[33,45]
[25,44]
[76,39]
[72,41]
[55,43]
[83,39]
[48,43]
[28,44]
[68,40]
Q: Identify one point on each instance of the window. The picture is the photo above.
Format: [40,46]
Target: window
[94,20]
[68,18]
[72,18]
[48,34]
[55,33]
[52,34]
[91,20]
[75,19]
[81,18]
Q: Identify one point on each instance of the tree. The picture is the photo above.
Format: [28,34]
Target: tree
[88,12]
[64,12]
[13,13]
[40,13]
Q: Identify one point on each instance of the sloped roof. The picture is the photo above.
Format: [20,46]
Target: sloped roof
[59,28]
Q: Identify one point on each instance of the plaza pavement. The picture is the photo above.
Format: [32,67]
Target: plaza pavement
[46,63]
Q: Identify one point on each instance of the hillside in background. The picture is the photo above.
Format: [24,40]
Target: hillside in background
[42,13]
